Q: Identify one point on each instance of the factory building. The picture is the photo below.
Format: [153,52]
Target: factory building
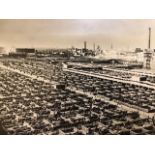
[22,52]
[25,50]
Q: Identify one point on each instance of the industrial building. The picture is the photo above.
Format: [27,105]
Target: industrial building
[22,52]
[25,50]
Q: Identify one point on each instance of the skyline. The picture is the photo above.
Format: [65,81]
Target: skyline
[56,33]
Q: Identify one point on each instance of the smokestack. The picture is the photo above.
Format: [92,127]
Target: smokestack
[85,45]
[149,43]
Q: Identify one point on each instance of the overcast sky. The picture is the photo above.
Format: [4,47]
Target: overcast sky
[67,33]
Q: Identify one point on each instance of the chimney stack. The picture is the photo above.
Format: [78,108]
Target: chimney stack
[149,43]
[85,45]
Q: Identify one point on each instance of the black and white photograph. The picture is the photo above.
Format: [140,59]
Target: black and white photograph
[77,77]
